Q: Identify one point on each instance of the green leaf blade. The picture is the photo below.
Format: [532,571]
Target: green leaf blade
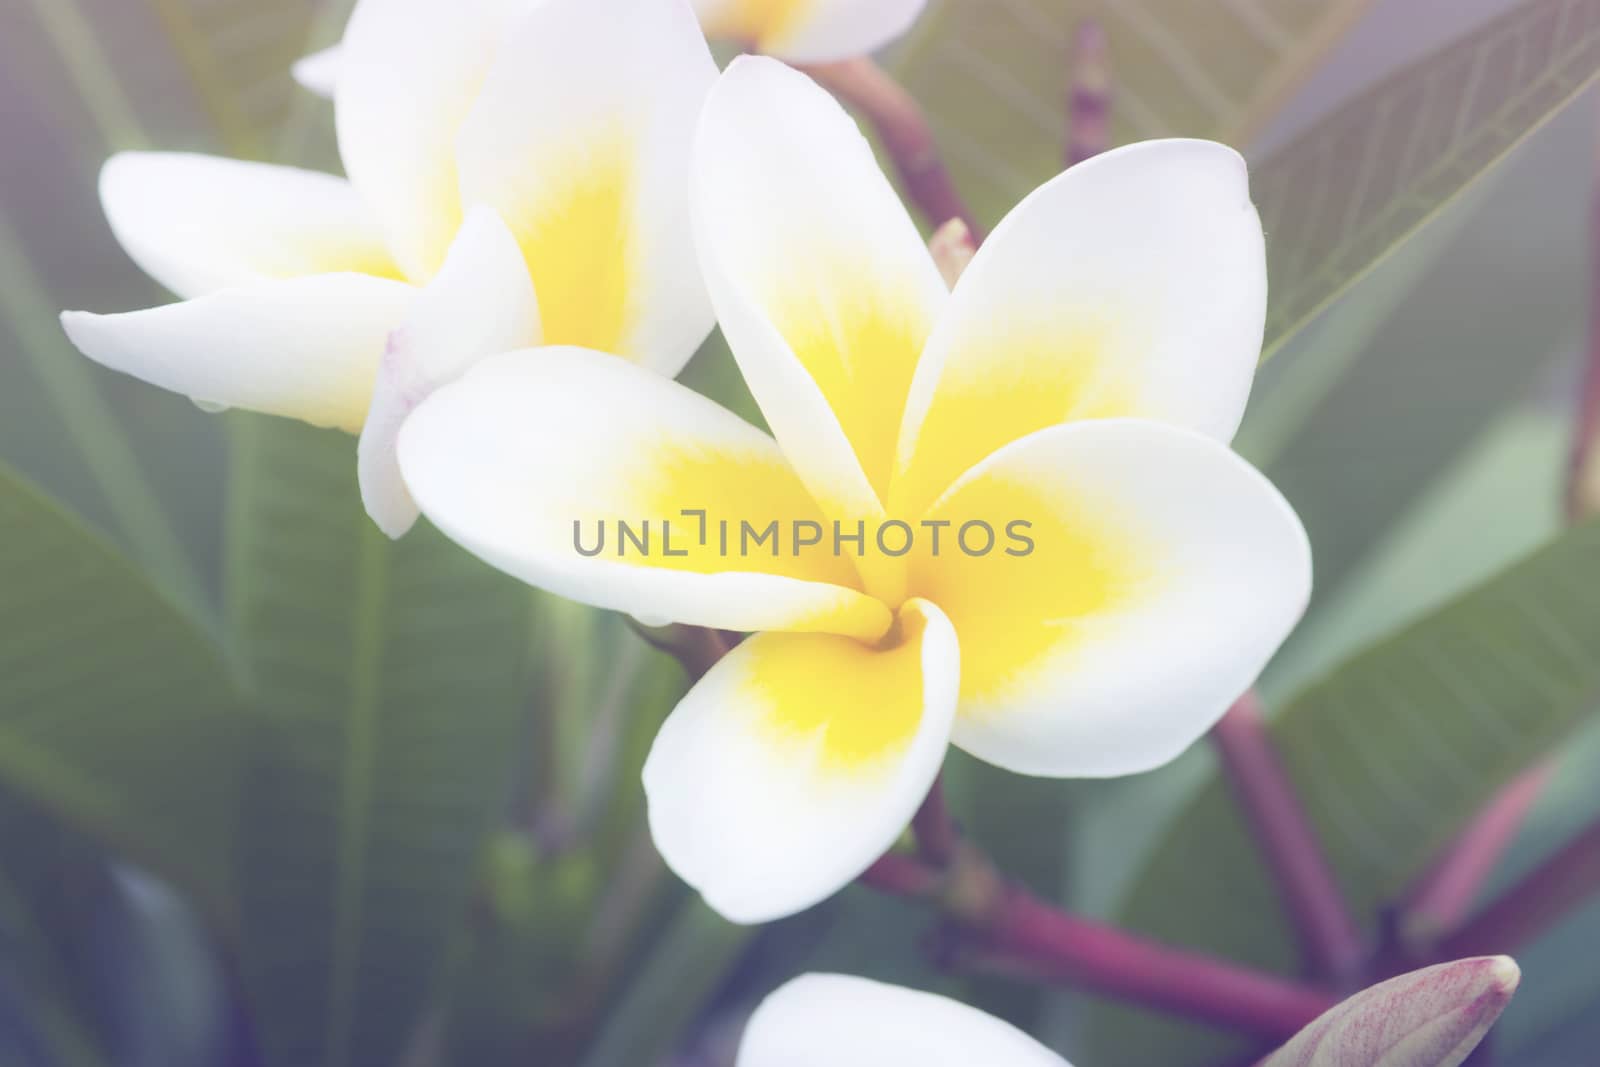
[1392,752]
[118,714]
[392,680]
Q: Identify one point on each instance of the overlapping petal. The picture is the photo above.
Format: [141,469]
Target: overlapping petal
[1156,574]
[307,348]
[532,454]
[798,760]
[809,31]
[821,281]
[408,73]
[480,304]
[198,224]
[841,1021]
[1132,285]
[580,139]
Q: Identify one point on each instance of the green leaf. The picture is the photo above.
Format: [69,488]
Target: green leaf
[238,57]
[995,76]
[676,979]
[1335,202]
[1392,753]
[1343,196]
[1438,370]
[391,678]
[118,715]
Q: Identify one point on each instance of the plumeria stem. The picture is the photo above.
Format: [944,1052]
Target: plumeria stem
[1305,878]
[1105,960]
[1445,895]
[1089,102]
[904,131]
[696,647]
[934,829]
[1546,896]
[1583,482]
[1000,927]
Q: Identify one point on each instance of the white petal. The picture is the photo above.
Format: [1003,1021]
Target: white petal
[1164,573]
[319,72]
[409,72]
[1134,284]
[810,31]
[581,141]
[306,348]
[822,283]
[798,760]
[480,304]
[198,224]
[526,445]
[829,1020]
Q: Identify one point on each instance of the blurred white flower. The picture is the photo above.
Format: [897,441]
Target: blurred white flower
[798,31]
[826,1020]
[516,177]
[1003,516]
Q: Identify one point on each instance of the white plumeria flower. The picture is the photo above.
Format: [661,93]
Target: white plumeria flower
[797,31]
[1082,378]
[828,1020]
[517,177]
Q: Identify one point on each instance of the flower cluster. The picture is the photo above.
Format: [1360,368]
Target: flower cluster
[549,206]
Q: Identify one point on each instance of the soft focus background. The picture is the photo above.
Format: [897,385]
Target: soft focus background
[273,791]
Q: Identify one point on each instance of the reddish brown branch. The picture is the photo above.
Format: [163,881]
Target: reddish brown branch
[1546,896]
[1089,102]
[1108,961]
[1583,481]
[1000,928]
[904,132]
[1445,895]
[1288,841]
[934,829]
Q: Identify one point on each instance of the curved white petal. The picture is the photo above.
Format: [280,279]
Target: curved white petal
[830,1020]
[823,286]
[580,140]
[319,72]
[809,31]
[1135,284]
[198,224]
[532,454]
[480,304]
[1163,573]
[798,760]
[307,348]
[409,72]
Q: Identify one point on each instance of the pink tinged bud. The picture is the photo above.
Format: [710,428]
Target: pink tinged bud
[1434,1017]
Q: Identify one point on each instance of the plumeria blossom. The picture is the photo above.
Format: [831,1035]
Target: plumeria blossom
[797,31]
[1073,395]
[829,1020]
[516,177]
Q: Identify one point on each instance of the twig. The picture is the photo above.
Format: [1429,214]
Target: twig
[1108,961]
[1445,895]
[1583,482]
[998,927]
[1304,877]
[1089,102]
[697,648]
[1546,896]
[934,829]
[903,128]
[901,875]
